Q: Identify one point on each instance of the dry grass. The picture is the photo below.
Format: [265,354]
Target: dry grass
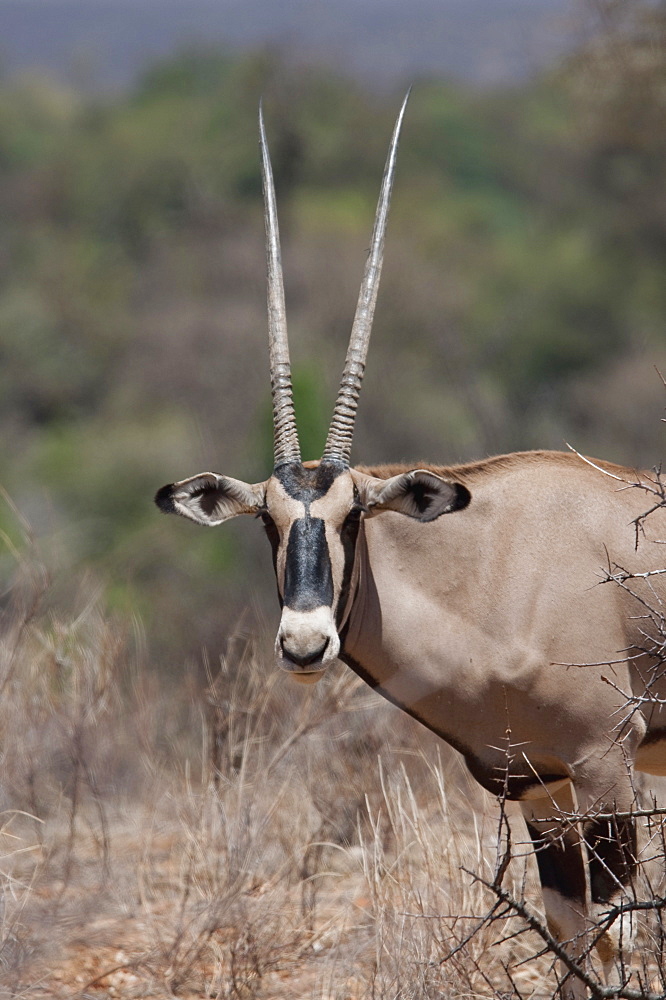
[247,839]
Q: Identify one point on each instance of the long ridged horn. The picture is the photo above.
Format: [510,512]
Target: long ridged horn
[286,447]
[341,431]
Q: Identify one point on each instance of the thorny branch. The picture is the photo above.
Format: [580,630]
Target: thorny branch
[599,992]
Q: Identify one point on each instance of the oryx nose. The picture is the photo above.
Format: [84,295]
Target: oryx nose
[306,640]
[301,658]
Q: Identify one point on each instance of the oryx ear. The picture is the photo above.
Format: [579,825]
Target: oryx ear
[210,499]
[419,494]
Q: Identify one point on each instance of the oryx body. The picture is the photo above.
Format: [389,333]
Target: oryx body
[473,598]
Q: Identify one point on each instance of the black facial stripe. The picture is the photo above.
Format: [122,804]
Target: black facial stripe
[348,537]
[308,581]
[274,538]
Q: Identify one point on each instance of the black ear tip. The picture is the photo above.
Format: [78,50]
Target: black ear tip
[164,499]
[463,497]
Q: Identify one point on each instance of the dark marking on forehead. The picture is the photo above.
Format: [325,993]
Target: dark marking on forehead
[308,582]
[306,485]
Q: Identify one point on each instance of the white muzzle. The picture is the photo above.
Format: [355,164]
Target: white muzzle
[307,642]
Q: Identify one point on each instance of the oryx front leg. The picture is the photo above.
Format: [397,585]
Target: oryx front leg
[610,839]
[562,871]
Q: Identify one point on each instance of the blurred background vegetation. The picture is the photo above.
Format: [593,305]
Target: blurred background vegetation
[523,302]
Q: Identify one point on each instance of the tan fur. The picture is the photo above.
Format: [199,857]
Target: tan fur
[469,471]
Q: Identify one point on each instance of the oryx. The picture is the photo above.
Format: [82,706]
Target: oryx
[468,596]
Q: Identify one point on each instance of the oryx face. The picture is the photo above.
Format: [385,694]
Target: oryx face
[311,519]
[312,513]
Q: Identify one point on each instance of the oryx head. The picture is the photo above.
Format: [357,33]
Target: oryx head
[312,512]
